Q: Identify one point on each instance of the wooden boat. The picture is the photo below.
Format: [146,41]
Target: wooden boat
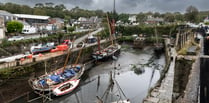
[42,48]
[65,87]
[111,51]
[48,82]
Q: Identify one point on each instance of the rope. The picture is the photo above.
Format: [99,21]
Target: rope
[120,89]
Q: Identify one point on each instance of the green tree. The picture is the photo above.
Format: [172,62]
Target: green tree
[141,17]
[70,29]
[38,11]
[123,17]
[14,27]
[191,14]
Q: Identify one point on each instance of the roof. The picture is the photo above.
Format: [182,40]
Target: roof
[2,12]
[32,16]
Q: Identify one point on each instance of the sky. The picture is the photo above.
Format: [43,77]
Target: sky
[124,6]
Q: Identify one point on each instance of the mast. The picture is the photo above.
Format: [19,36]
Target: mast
[156,36]
[110,30]
[98,40]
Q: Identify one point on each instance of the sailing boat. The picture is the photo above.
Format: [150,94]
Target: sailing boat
[158,49]
[60,81]
[112,50]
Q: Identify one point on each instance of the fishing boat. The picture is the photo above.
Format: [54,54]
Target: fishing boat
[49,81]
[113,50]
[42,48]
[65,87]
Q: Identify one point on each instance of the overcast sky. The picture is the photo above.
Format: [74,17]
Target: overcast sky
[125,6]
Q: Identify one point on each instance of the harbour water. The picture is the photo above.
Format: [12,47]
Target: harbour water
[133,73]
[129,77]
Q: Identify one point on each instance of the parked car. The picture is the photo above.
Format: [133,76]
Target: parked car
[15,38]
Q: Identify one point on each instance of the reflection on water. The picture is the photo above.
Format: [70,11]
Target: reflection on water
[128,77]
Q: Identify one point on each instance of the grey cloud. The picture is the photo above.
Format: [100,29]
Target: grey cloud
[127,6]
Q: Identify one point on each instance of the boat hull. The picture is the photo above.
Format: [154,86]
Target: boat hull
[105,55]
[66,87]
[49,81]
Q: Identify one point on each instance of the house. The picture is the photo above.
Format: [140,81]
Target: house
[57,22]
[2,28]
[34,20]
[206,20]
[132,19]
[7,16]
[28,29]
[88,22]
[154,20]
[37,21]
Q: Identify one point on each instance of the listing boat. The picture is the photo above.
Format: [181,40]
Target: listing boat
[122,101]
[42,48]
[55,79]
[113,50]
[48,82]
[65,87]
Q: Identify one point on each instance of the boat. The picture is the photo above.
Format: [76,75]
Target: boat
[42,48]
[66,87]
[49,81]
[67,44]
[122,101]
[113,50]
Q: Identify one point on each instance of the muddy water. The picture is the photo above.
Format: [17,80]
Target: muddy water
[128,77]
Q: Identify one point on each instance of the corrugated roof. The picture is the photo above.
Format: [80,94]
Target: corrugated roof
[32,16]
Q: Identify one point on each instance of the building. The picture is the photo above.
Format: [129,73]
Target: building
[33,20]
[2,28]
[132,19]
[153,20]
[206,20]
[7,16]
[57,22]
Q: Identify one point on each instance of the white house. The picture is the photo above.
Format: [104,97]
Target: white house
[206,20]
[2,28]
[132,18]
[28,29]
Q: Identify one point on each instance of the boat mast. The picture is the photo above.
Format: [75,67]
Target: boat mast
[98,40]
[156,36]
[110,31]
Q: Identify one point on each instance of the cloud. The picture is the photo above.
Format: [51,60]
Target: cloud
[125,6]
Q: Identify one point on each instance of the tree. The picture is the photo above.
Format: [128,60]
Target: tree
[141,17]
[191,14]
[38,11]
[123,17]
[14,27]
[39,5]
[60,7]
[70,29]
